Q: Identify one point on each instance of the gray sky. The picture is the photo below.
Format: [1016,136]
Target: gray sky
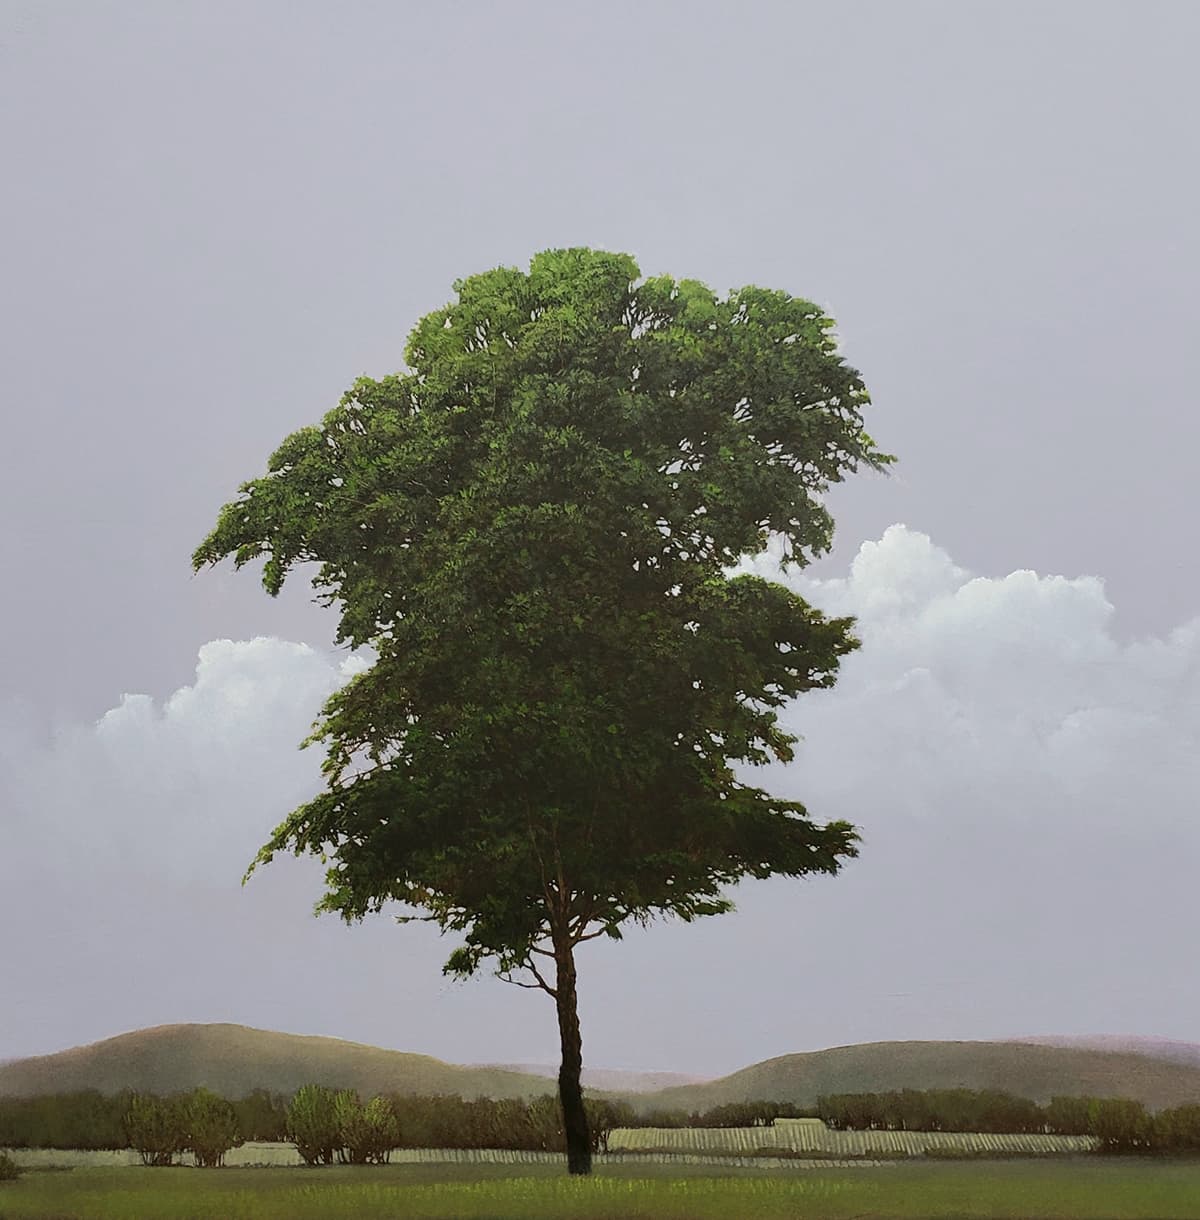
[216,215]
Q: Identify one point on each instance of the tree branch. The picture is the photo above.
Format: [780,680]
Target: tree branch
[538,975]
[538,986]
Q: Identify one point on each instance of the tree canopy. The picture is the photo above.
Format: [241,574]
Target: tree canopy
[530,528]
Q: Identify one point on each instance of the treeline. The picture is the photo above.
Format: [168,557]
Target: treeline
[1119,1124]
[325,1125]
[91,1120]
[94,1121]
[987,1111]
[732,1114]
[328,1125]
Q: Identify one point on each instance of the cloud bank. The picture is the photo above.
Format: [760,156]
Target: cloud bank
[1025,786]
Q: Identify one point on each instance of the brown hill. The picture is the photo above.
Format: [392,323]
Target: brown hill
[234,1059]
[1027,1070]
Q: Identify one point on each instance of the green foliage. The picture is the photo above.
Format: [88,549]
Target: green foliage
[604,1117]
[80,1119]
[366,1133]
[1177,1129]
[745,1114]
[155,1128]
[1121,1125]
[312,1124]
[211,1127]
[531,529]
[10,1171]
[986,1110]
[262,1116]
[1069,1115]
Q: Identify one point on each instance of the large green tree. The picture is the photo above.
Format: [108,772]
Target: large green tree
[530,528]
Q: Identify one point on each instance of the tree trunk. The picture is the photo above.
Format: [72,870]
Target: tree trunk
[570,1090]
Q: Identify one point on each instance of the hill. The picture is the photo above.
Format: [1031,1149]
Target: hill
[234,1059]
[1028,1070]
[1187,1053]
[612,1080]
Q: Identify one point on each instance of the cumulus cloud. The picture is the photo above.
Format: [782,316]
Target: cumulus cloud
[990,697]
[1026,788]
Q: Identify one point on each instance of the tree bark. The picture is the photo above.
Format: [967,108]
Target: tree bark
[570,1090]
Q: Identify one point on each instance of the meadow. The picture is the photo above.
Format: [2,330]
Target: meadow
[736,1146]
[1068,1188]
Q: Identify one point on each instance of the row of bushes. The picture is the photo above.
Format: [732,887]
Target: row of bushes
[327,1125]
[1119,1124]
[989,1111]
[90,1120]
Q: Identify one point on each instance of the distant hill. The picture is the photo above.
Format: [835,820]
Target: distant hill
[234,1059]
[1028,1070]
[1154,1048]
[612,1080]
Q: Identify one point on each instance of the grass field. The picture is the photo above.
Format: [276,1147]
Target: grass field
[1084,1188]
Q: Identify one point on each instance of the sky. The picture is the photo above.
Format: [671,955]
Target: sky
[217,215]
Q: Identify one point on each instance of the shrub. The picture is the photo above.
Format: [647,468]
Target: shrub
[1069,1116]
[604,1117]
[1120,1125]
[10,1171]
[312,1124]
[211,1127]
[1177,1130]
[383,1129]
[155,1128]
[366,1134]
[262,1116]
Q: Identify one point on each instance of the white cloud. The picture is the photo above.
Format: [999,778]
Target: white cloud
[1006,696]
[1019,777]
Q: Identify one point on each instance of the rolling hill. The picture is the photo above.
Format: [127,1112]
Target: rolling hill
[234,1059]
[1028,1070]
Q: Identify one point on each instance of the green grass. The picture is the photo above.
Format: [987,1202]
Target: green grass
[1083,1189]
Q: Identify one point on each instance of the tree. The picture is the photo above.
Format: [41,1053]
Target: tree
[1177,1129]
[532,529]
[312,1124]
[156,1128]
[1069,1116]
[604,1117]
[1120,1124]
[366,1134]
[261,1115]
[211,1127]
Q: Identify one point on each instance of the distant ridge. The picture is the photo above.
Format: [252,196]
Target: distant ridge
[1187,1053]
[234,1059]
[1028,1070]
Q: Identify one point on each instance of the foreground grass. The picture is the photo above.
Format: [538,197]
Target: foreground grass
[1076,1189]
